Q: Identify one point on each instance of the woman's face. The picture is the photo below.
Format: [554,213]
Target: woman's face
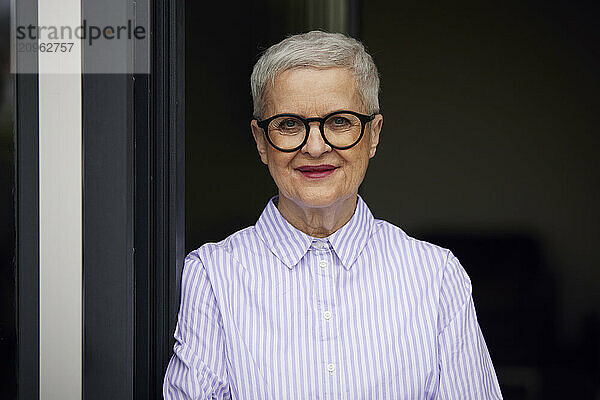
[310,92]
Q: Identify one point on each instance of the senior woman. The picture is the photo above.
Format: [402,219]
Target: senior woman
[320,300]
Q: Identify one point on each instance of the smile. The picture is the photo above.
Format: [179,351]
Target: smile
[316,171]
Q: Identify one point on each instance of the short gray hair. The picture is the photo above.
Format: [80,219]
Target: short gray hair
[316,49]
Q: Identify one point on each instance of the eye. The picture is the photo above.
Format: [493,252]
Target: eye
[340,121]
[288,123]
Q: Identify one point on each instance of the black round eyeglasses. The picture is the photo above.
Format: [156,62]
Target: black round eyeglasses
[340,129]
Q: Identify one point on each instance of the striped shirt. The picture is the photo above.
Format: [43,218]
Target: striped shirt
[366,313]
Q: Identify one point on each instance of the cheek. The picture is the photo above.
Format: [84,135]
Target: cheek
[357,173]
[357,164]
[278,166]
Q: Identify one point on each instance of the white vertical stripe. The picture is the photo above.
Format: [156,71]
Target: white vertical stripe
[60,199]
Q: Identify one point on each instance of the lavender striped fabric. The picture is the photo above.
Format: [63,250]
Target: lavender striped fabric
[366,313]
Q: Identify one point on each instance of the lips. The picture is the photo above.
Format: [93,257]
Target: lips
[316,171]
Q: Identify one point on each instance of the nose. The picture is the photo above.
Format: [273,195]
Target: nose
[315,145]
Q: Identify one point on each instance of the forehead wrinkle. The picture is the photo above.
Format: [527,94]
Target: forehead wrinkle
[314,108]
[313,98]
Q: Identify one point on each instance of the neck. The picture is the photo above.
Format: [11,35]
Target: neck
[317,222]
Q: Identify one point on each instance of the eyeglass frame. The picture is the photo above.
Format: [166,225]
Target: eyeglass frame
[364,120]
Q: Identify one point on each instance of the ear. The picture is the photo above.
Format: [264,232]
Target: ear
[261,143]
[376,124]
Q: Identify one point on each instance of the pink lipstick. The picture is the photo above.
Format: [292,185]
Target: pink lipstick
[316,171]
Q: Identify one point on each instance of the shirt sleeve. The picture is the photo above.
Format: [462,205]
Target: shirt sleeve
[197,369]
[466,370]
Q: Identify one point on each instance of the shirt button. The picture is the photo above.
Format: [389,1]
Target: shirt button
[331,367]
[323,264]
[327,314]
[318,245]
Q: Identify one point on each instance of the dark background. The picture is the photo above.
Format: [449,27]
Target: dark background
[489,148]
[8,334]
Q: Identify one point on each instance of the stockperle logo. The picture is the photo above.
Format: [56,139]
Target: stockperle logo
[87,32]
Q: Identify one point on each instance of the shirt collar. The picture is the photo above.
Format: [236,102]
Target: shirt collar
[290,244]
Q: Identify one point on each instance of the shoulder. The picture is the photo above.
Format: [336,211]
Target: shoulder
[427,262]
[407,246]
[228,245]
[435,261]
[229,251]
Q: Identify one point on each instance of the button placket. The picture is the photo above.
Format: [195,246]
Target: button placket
[325,270]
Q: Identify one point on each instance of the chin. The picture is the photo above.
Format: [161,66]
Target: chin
[318,198]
